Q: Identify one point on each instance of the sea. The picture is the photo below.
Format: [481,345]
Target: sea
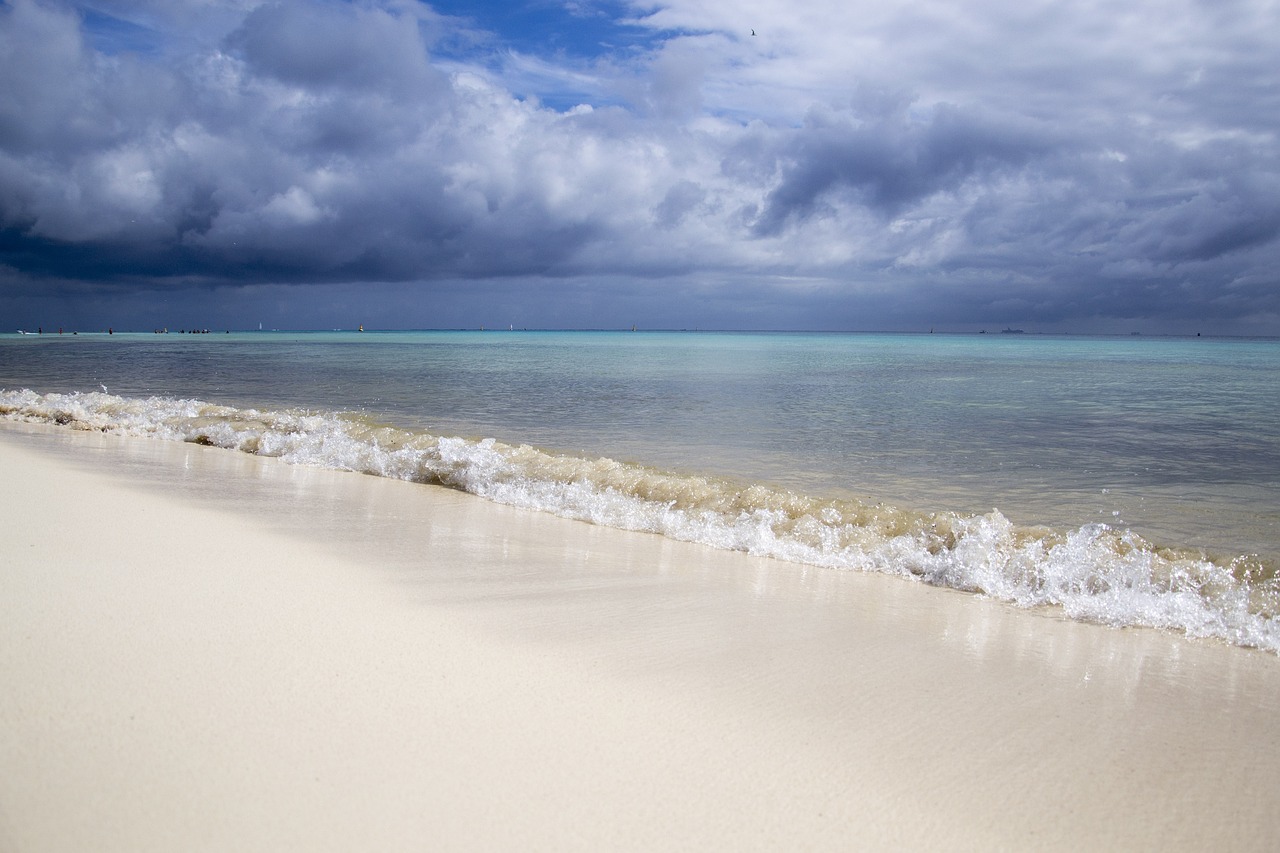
[1127,481]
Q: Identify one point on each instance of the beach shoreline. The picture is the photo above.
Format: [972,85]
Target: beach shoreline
[206,649]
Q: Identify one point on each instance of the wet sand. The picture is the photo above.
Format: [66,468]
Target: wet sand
[201,649]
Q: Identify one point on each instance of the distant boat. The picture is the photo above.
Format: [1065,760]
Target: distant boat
[1012,332]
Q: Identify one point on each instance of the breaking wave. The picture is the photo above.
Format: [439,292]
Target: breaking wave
[1095,573]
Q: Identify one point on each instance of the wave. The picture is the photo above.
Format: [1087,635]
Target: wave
[1095,573]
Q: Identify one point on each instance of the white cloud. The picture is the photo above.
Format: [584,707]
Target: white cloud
[294,207]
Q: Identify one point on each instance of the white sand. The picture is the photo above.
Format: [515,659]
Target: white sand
[205,650]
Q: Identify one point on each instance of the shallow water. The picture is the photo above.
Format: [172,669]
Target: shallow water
[882,452]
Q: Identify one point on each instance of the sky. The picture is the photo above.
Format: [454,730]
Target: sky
[1081,167]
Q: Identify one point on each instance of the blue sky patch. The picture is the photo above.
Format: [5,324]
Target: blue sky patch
[112,36]
[553,29]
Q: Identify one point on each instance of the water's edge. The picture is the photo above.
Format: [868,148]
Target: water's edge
[1095,573]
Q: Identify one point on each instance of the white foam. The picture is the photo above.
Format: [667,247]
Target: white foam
[1096,572]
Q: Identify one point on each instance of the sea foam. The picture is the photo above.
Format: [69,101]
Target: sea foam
[1095,573]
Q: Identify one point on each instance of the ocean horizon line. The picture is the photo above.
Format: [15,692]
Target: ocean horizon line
[1001,333]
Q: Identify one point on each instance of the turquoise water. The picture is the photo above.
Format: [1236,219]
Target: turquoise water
[1172,441]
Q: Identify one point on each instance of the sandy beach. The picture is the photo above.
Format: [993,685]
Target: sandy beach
[205,650]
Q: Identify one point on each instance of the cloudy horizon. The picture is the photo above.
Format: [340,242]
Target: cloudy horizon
[1079,167]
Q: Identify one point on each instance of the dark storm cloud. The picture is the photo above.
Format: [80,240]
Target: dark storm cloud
[320,144]
[853,164]
[890,162]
